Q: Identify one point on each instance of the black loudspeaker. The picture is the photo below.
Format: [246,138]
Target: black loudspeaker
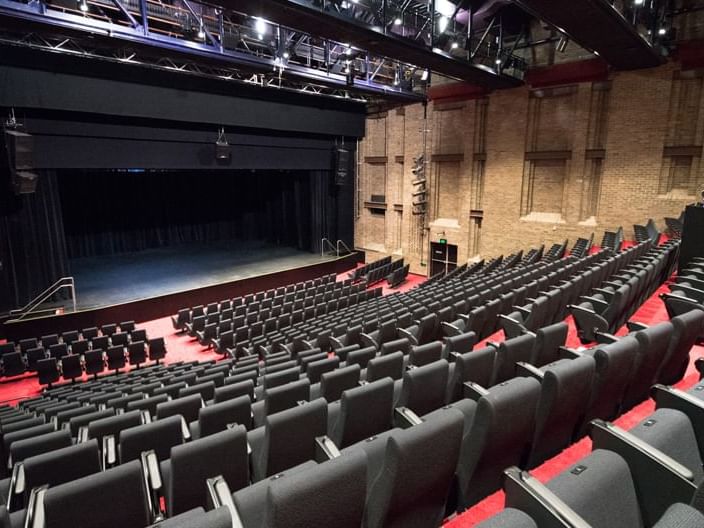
[20,147]
[342,166]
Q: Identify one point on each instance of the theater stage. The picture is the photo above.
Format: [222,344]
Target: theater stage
[155,283]
[103,281]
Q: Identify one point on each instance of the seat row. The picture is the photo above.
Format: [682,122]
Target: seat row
[650,475]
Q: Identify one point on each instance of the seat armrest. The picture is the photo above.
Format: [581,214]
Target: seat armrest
[35,508]
[219,495]
[185,430]
[152,483]
[405,418]
[604,338]
[146,417]
[405,333]
[82,435]
[325,449]
[109,452]
[634,326]
[17,484]
[474,391]
[522,310]
[529,371]
[568,353]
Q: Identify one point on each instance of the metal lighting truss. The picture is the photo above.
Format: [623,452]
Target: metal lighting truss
[201,39]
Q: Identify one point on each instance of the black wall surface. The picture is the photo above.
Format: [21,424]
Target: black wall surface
[89,118]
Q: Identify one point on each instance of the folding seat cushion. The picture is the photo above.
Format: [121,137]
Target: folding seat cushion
[425,354]
[459,344]
[13,364]
[303,498]
[62,465]
[390,365]
[548,340]
[362,413]
[511,352]
[680,516]
[361,357]
[333,384]
[190,465]
[115,497]
[116,357]
[159,436]
[137,352]
[424,388]
[410,490]
[287,438]
[119,339]
[94,361]
[476,366]
[500,437]
[686,329]
[157,349]
[71,367]
[508,518]
[565,394]
[188,407]
[108,329]
[33,356]
[614,364]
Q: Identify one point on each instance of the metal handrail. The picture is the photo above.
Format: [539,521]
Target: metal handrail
[322,246]
[337,247]
[63,282]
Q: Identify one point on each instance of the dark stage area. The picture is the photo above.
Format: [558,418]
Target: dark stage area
[107,280]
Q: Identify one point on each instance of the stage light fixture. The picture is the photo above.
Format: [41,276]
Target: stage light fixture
[83,6]
[443,23]
[424,75]
[662,31]
[398,21]
[638,2]
[286,55]
[498,61]
[201,32]
[260,27]
[454,45]
[222,147]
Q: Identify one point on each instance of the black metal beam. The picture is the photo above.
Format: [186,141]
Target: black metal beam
[597,26]
[302,15]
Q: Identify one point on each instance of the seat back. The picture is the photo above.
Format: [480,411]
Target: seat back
[90,502]
[364,412]
[548,340]
[461,344]
[476,366]
[188,407]
[36,445]
[686,329]
[565,395]
[601,491]
[113,425]
[424,388]
[424,354]
[361,357]
[286,396]
[411,489]
[303,498]
[234,390]
[62,465]
[390,365]
[217,417]
[397,345]
[509,353]
[223,453]
[289,436]
[333,384]
[500,437]
[159,436]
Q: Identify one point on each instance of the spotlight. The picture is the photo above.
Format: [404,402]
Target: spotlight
[222,147]
[286,55]
[260,27]
[424,75]
[83,6]
[454,45]
[442,23]
[398,21]
[201,32]
[662,31]
[348,51]
[638,2]
[498,61]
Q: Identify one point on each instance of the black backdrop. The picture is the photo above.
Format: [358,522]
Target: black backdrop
[108,212]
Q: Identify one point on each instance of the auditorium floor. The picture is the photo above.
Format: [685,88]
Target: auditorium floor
[102,281]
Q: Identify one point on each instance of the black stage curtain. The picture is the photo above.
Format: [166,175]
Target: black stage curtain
[32,246]
[109,212]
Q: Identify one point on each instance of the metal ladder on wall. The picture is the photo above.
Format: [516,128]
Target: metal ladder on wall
[337,248]
[33,305]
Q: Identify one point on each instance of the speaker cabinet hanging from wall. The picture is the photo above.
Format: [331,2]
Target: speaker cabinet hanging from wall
[342,166]
[19,147]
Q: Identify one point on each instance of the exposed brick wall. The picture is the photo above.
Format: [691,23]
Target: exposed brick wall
[632,124]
